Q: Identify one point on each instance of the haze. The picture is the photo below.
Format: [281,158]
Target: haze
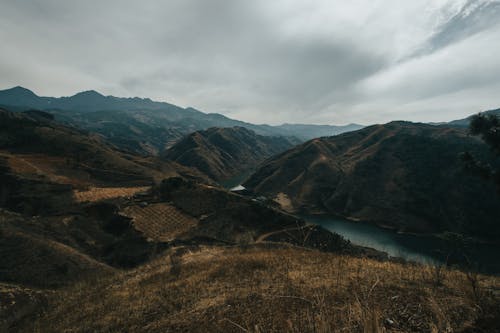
[331,62]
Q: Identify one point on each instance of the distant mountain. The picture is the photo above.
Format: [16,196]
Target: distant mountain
[466,121]
[84,101]
[403,175]
[308,132]
[142,125]
[222,153]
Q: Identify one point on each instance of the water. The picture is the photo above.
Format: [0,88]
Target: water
[423,249]
[426,249]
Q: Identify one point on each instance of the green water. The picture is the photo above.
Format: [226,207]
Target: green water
[423,249]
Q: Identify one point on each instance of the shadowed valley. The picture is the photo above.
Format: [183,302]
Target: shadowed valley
[94,237]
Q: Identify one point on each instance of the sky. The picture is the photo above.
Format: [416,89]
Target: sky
[280,61]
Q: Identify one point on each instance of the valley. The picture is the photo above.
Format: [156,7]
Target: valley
[226,153]
[234,166]
[96,237]
[405,176]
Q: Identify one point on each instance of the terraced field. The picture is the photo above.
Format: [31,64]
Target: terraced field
[102,193]
[160,222]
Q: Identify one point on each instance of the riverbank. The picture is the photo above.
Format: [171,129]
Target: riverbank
[427,249]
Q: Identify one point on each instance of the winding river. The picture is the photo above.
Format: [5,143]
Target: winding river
[426,249]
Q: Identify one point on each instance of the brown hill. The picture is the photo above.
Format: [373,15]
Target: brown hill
[32,255]
[42,163]
[66,148]
[265,288]
[222,153]
[185,256]
[403,175]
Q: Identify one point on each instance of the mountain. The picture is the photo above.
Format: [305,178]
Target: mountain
[43,164]
[308,132]
[466,121]
[96,239]
[222,153]
[401,175]
[84,101]
[142,125]
[55,236]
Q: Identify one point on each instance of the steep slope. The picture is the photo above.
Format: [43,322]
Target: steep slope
[43,162]
[32,255]
[142,125]
[403,175]
[222,153]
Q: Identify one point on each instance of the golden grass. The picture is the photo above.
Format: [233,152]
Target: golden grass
[53,168]
[259,289]
[160,222]
[102,193]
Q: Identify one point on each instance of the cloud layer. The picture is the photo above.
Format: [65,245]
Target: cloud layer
[263,61]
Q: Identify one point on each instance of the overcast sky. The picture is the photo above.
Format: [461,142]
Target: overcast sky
[296,61]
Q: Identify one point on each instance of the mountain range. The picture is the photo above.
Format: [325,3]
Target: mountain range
[103,229]
[142,125]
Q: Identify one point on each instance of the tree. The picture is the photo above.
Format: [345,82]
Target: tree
[488,128]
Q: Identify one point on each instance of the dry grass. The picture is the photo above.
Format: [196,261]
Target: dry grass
[259,289]
[160,221]
[17,302]
[52,168]
[102,193]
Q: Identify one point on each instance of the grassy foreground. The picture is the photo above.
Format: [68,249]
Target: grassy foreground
[273,288]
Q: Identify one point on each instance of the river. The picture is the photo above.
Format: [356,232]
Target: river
[426,249]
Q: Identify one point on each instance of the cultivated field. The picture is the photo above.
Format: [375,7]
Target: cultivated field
[160,221]
[102,193]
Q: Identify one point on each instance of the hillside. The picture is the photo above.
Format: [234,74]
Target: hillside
[74,208]
[96,239]
[44,165]
[272,288]
[466,121]
[44,257]
[142,125]
[222,153]
[400,175]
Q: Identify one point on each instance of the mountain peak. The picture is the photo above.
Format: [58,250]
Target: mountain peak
[88,93]
[19,91]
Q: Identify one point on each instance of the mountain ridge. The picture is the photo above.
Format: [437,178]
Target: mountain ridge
[142,125]
[222,153]
[403,175]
